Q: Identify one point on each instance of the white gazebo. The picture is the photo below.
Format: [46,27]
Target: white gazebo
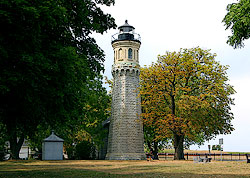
[52,148]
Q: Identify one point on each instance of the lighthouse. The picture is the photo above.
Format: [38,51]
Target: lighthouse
[126,140]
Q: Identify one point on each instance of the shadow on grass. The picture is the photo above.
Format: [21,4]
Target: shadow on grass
[115,169]
[54,173]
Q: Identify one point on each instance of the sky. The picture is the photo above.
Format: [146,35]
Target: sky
[168,25]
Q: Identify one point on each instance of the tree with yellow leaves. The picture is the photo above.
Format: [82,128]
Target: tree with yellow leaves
[186,95]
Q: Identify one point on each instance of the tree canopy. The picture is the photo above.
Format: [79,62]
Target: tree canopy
[186,95]
[49,65]
[238,20]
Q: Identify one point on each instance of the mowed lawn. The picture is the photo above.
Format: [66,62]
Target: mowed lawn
[105,168]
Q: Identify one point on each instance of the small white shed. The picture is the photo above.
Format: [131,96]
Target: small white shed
[52,148]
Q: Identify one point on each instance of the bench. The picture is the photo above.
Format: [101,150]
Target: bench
[248,159]
[205,160]
[202,160]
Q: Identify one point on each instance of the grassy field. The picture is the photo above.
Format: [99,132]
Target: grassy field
[116,169]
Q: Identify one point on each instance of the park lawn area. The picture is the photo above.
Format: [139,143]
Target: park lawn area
[105,168]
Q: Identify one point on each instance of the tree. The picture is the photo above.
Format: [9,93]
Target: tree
[185,95]
[152,140]
[49,65]
[238,20]
[87,127]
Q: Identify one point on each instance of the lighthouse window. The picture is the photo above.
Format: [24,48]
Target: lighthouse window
[119,53]
[130,53]
[120,57]
[137,54]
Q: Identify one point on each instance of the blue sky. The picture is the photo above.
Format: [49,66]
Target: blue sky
[170,25]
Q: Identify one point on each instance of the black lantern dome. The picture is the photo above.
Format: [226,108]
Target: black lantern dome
[126,32]
[126,27]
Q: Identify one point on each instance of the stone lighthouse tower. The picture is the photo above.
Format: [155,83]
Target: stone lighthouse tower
[125,141]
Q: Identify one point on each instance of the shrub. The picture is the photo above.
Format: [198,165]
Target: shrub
[85,150]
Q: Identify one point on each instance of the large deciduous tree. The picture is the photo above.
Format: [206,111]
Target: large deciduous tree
[186,95]
[49,65]
[238,20]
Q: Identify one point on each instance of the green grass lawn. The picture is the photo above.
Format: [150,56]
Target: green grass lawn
[98,168]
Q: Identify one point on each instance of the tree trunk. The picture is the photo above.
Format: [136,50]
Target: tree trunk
[153,147]
[178,139]
[15,146]
[16,140]
[155,151]
[178,146]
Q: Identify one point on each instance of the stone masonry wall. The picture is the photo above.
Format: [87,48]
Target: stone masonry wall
[126,129]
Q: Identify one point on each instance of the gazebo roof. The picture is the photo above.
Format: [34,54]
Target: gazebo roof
[53,138]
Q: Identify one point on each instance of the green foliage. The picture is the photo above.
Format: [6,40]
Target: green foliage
[35,141]
[85,150]
[238,20]
[50,66]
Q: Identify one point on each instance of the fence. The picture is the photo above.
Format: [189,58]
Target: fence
[214,156]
